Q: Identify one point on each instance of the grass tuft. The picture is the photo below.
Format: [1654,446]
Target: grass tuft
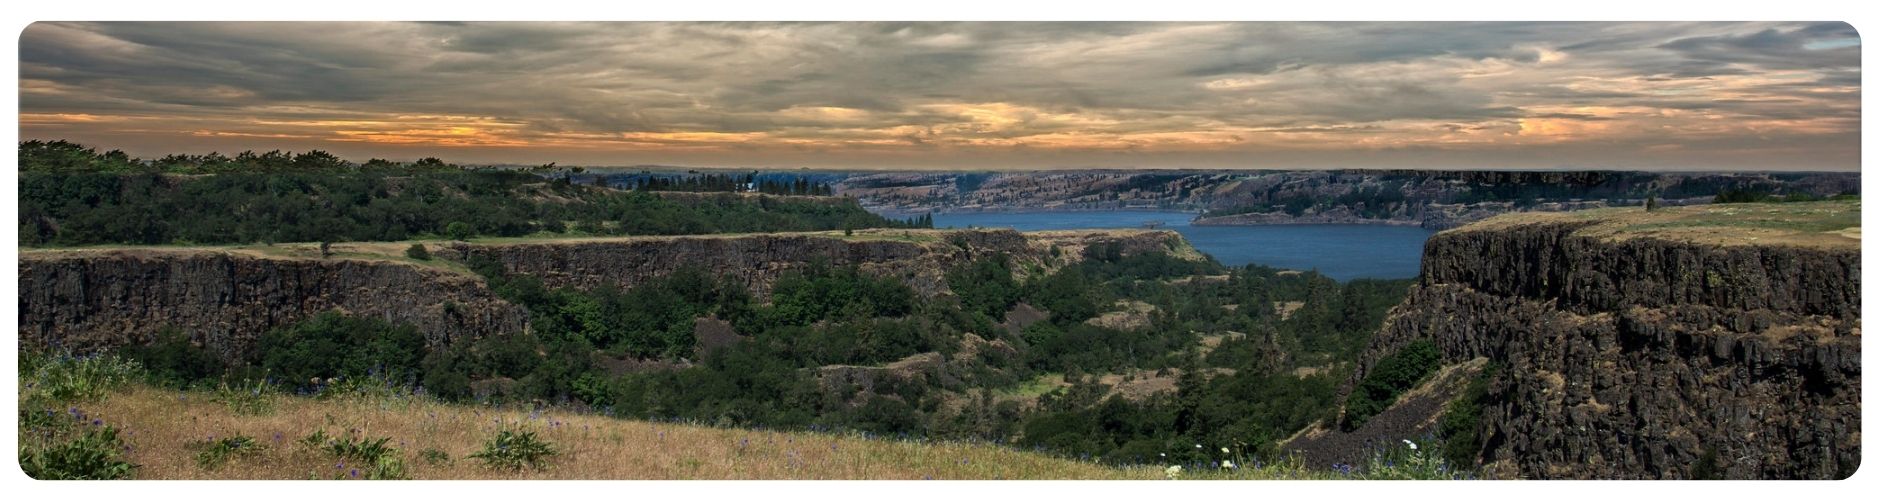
[216,452]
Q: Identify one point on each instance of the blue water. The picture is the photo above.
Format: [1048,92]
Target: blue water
[1343,252]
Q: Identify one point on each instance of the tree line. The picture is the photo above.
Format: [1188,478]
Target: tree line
[717,182]
[71,195]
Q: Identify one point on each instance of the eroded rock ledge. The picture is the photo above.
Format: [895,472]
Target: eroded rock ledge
[1628,344]
[224,299]
[919,258]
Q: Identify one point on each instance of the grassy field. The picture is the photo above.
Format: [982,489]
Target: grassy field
[1821,224]
[169,432]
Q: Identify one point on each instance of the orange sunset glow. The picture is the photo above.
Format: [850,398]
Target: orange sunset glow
[963,95]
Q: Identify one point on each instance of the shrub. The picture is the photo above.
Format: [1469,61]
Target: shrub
[459,231]
[383,461]
[44,423]
[516,450]
[248,398]
[95,455]
[1459,426]
[378,388]
[171,359]
[360,448]
[65,377]
[1707,466]
[332,345]
[419,252]
[1391,377]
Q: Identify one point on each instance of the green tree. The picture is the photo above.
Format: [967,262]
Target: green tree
[459,231]
[335,345]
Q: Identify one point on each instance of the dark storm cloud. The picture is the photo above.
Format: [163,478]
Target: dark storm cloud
[1774,48]
[935,92]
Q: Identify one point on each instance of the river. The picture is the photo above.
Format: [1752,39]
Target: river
[1341,251]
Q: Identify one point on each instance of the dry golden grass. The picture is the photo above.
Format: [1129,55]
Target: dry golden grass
[1827,224]
[161,426]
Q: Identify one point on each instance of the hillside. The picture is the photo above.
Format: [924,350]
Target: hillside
[332,435]
[1688,342]
[164,427]
[1432,199]
[225,297]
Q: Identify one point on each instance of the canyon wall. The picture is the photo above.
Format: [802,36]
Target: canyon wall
[91,299]
[919,258]
[1628,344]
[86,300]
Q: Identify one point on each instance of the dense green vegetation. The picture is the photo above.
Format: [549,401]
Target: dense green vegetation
[332,344]
[61,442]
[1459,428]
[71,195]
[1238,358]
[1389,378]
[711,182]
[812,355]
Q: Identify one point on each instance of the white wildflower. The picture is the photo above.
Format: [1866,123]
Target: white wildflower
[1225,450]
[1410,445]
[1228,464]
[1198,446]
[1173,471]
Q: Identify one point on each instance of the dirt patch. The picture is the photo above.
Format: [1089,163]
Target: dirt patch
[1287,308]
[1021,316]
[1128,316]
[712,334]
[1210,342]
[620,366]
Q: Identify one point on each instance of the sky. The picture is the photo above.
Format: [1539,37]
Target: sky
[984,95]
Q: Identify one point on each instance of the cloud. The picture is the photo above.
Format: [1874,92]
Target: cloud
[964,94]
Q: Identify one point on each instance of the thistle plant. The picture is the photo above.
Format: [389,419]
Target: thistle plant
[516,449]
[246,398]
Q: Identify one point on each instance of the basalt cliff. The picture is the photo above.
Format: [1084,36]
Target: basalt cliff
[917,257]
[225,298]
[1673,343]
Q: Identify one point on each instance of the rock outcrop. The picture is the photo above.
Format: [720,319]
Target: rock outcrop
[86,300]
[1633,344]
[919,258]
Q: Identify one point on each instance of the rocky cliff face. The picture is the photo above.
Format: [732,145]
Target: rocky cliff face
[87,300]
[919,258]
[1632,344]
[94,299]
